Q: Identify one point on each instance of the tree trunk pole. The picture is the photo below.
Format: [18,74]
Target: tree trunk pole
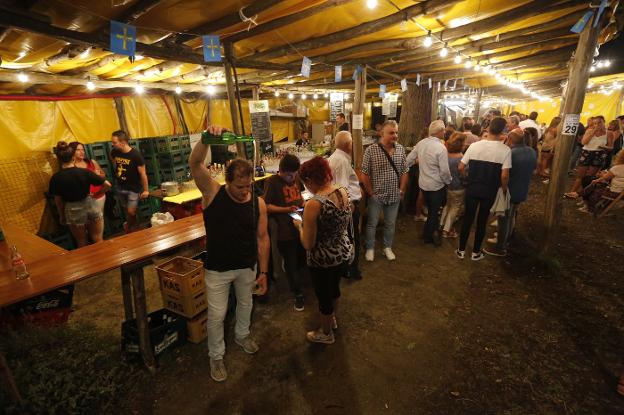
[573,104]
[229,83]
[434,102]
[477,108]
[358,109]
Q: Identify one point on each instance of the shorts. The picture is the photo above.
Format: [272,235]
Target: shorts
[592,158]
[127,198]
[83,211]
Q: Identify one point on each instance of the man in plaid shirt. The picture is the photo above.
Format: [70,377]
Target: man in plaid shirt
[385,183]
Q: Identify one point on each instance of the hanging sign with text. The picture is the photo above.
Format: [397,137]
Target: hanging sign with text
[336,105]
[261,125]
[570,124]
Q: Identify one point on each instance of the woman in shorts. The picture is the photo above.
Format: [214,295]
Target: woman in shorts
[76,205]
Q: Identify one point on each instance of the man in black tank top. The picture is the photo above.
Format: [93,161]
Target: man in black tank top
[236,239]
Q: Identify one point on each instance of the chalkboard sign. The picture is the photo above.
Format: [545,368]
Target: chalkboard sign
[336,105]
[261,125]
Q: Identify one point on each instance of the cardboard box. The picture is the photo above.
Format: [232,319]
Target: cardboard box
[196,327]
[188,306]
[181,277]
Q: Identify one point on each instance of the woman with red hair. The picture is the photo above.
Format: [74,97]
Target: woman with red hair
[324,235]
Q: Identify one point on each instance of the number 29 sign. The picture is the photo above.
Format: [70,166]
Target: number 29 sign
[570,124]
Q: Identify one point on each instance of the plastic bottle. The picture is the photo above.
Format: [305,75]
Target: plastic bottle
[18,265]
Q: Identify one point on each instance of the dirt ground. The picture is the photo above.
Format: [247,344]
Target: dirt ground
[425,334]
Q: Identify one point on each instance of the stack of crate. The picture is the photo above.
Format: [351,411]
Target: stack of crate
[100,152]
[183,291]
[173,153]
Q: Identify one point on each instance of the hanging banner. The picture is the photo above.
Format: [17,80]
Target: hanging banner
[382,90]
[603,4]
[454,84]
[582,22]
[439,86]
[417,79]
[389,105]
[357,72]
[122,38]
[336,105]
[403,84]
[338,73]
[430,83]
[306,66]
[445,84]
[261,125]
[212,48]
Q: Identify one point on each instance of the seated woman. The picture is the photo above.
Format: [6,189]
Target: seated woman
[71,190]
[324,235]
[609,183]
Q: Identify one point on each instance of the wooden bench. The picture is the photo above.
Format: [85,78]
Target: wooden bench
[51,267]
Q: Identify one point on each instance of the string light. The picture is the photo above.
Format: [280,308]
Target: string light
[277,94]
[315,96]
[291,96]
[326,95]
[468,64]
[371,4]
[138,88]
[458,58]
[22,77]
[477,67]
[428,40]
[178,90]
[210,89]
[444,51]
[303,96]
[90,85]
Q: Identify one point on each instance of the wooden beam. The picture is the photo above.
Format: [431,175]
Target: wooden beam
[138,9]
[224,22]
[574,97]
[286,20]
[11,19]
[373,26]
[384,73]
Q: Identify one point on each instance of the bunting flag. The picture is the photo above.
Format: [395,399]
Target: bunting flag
[357,72]
[445,84]
[454,84]
[603,5]
[306,66]
[430,83]
[439,86]
[338,73]
[382,91]
[212,48]
[582,22]
[122,38]
[418,79]
[403,84]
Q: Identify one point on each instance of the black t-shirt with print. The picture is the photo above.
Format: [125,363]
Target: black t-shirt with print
[126,169]
[279,193]
[344,127]
[73,184]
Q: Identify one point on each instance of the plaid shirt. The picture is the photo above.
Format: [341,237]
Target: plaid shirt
[384,180]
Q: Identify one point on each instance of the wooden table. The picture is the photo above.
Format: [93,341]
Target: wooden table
[56,268]
[31,247]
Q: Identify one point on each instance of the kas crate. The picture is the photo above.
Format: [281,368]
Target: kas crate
[176,174]
[173,159]
[147,146]
[56,299]
[99,152]
[185,142]
[197,327]
[188,306]
[181,277]
[166,330]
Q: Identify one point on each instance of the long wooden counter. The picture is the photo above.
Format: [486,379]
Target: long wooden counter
[59,268]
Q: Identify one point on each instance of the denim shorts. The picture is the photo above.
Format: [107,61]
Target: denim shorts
[595,158]
[127,198]
[83,211]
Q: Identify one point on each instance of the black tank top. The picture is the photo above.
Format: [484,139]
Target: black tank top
[231,229]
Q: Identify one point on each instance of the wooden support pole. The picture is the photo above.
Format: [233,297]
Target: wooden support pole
[478,105]
[434,102]
[229,82]
[359,100]
[574,97]
[140,308]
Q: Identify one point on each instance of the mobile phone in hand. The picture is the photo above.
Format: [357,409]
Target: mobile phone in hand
[296,216]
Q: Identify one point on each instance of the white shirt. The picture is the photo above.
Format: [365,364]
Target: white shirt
[344,175]
[433,166]
[530,123]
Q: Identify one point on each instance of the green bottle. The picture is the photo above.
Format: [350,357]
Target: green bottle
[225,138]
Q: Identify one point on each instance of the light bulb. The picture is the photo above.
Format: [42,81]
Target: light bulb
[607,63]
[600,64]
[210,89]
[178,90]
[444,51]
[291,96]
[90,85]
[21,54]
[592,69]
[428,40]
[22,77]
[458,58]
[277,94]
[326,95]
[315,96]
[468,64]
[477,67]
[346,97]
[371,4]
[139,89]
[303,96]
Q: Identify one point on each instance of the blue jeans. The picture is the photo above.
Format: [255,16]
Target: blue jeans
[390,212]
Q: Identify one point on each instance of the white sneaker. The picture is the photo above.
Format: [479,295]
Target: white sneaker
[370,255]
[389,254]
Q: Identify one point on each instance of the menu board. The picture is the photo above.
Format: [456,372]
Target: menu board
[261,125]
[336,105]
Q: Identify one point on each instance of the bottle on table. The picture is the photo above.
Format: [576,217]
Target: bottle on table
[18,264]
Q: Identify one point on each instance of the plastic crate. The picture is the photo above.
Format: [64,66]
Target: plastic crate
[143,213]
[113,227]
[154,178]
[176,174]
[55,299]
[166,331]
[185,142]
[64,239]
[134,144]
[154,204]
[100,152]
[173,159]
[168,144]
[147,146]
[181,277]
